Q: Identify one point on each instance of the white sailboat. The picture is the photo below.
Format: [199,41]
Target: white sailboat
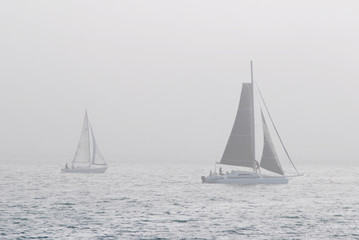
[241,147]
[88,158]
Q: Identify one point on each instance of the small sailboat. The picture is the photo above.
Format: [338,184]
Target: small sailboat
[241,147]
[88,158]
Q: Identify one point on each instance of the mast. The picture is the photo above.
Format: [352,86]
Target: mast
[253,123]
[88,136]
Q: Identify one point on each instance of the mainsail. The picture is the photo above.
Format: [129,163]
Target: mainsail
[270,159]
[240,146]
[82,154]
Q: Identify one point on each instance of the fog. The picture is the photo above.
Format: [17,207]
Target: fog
[162,79]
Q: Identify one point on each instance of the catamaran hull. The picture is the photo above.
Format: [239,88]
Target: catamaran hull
[84,170]
[244,179]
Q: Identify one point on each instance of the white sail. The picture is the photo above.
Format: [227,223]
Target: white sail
[97,157]
[82,154]
[270,159]
[240,146]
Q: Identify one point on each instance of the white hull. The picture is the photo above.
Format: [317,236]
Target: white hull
[242,177]
[84,170]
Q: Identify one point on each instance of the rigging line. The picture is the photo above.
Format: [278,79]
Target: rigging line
[253,122]
[275,128]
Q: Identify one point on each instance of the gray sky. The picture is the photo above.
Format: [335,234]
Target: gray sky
[163,78]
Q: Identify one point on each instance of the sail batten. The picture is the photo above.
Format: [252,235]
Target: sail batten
[240,146]
[269,159]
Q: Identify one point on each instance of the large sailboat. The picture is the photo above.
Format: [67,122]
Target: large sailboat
[241,147]
[88,158]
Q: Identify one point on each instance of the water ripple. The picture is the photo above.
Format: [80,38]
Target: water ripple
[169,202]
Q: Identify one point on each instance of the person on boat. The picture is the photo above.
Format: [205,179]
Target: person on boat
[220,171]
[66,166]
[210,173]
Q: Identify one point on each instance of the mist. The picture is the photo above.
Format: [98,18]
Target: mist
[162,79]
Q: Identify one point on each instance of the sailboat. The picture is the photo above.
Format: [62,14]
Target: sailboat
[88,158]
[241,147]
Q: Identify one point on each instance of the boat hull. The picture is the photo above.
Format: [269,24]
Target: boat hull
[84,170]
[244,178]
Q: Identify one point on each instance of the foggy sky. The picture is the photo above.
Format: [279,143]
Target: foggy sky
[163,78]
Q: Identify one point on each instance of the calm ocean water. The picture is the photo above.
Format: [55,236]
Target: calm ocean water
[168,201]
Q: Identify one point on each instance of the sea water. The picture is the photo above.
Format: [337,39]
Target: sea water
[168,201]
